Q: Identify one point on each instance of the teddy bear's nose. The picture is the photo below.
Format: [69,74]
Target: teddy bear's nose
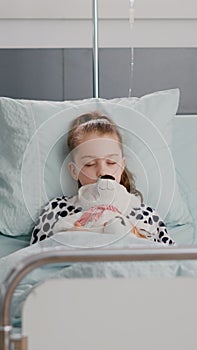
[110,177]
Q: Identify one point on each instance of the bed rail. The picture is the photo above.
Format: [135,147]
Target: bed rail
[60,255]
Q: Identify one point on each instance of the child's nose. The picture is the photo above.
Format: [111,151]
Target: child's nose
[101,169]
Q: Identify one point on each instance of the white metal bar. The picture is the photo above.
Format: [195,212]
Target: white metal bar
[95,50]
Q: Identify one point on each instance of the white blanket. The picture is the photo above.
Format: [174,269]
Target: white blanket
[87,240]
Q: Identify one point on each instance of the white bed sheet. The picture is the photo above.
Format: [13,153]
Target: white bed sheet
[75,240]
[9,245]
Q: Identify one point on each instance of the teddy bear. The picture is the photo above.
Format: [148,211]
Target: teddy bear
[107,207]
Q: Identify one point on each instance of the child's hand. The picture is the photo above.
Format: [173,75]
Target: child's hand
[137,233]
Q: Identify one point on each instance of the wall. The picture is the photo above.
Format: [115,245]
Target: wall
[46,49]
[68,23]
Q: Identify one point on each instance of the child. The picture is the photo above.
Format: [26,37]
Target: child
[107,190]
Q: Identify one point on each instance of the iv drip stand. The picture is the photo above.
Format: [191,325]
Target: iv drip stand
[95,50]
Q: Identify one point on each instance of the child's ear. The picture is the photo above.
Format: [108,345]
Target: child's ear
[73,170]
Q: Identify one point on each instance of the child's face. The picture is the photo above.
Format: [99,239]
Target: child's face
[98,155]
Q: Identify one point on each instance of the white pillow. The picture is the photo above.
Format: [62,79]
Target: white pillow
[34,155]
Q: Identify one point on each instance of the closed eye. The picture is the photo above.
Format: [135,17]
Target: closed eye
[111,162]
[89,164]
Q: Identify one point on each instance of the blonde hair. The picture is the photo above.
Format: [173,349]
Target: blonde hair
[97,122]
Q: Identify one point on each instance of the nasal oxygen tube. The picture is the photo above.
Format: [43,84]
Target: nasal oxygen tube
[131,22]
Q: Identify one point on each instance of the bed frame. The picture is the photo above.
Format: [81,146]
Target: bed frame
[119,318]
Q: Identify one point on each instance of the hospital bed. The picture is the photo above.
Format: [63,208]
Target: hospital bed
[128,275]
[101,291]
